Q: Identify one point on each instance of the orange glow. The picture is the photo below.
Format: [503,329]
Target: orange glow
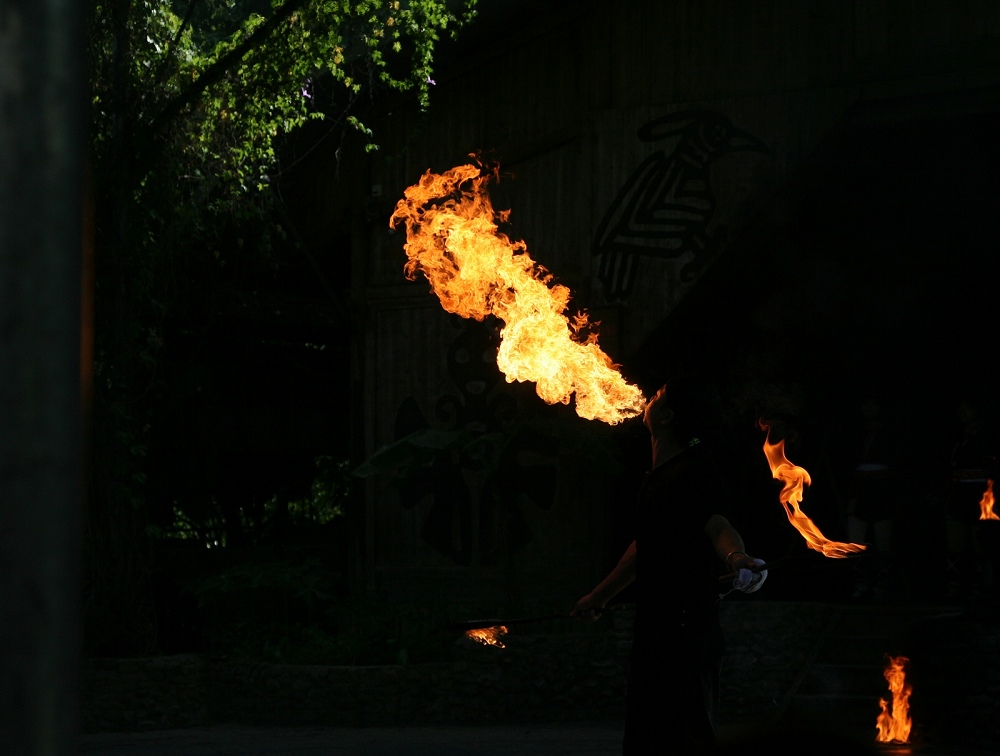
[488,636]
[895,727]
[795,479]
[986,503]
[477,271]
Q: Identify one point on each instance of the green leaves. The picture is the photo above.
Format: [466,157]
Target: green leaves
[215,84]
[190,103]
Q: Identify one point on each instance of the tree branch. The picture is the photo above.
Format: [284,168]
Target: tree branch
[217,70]
[192,4]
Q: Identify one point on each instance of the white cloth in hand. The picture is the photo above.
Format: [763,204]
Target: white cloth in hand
[749,581]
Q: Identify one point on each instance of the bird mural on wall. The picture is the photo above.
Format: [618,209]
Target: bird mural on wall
[665,207]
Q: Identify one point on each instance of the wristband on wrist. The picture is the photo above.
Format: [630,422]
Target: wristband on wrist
[730,556]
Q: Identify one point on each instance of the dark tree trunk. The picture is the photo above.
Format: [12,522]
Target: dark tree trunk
[41,230]
[117,604]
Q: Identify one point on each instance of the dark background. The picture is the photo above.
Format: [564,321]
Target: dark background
[873,274]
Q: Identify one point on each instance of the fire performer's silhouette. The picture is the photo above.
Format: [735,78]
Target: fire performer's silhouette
[684,540]
[665,207]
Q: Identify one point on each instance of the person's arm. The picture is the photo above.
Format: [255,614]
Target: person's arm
[727,542]
[729,547]
[617,580]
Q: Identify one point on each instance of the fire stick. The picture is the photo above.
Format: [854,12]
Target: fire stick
[483,623]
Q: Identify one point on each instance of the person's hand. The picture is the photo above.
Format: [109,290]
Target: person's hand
[748,579]
[589,609]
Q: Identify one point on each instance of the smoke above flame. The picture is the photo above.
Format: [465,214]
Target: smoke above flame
[794,480]
[894,722]
[986,503]
[476,271]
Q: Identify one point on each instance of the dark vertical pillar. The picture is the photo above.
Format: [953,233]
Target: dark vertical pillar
[41,208]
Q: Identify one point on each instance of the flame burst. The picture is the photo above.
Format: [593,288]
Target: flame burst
[795,479]
[488,636]
[986,503]
[476,271]
[895,727]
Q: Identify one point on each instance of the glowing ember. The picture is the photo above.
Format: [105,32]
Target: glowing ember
[986,503]
[895,727]
[476,271]
[488,636]
[795,479]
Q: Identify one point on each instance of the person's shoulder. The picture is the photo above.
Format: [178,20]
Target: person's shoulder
[703,455]
[700,465]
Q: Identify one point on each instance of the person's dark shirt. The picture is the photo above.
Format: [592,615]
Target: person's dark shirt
[677,645]
[677,568]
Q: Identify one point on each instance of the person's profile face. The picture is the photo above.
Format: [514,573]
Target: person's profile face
[653,407]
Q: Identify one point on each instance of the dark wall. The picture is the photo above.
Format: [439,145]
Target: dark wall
[873,274]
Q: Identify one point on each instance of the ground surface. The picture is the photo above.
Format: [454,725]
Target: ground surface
[600,739]
[802,674]
[578,740]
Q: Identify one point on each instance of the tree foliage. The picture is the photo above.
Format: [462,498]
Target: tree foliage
[191,103]
[204,89]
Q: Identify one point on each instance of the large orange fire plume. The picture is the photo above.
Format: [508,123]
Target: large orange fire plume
[795,479]
[488,636]
[986,503]
[894,726]
[476,271]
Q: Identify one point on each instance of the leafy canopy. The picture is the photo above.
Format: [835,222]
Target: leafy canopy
[213,84]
